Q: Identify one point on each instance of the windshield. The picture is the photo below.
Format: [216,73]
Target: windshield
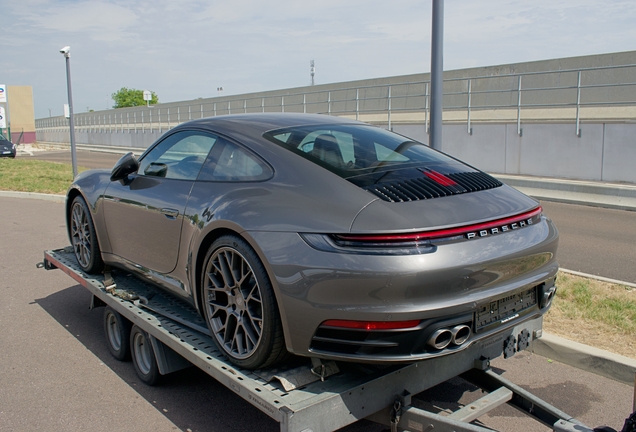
[350,150]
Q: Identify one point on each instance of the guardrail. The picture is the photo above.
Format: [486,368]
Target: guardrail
[593,87]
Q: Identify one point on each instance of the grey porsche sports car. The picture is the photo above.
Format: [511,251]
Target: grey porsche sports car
[319,236]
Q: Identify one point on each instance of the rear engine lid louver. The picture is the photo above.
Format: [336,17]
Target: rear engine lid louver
[433,185]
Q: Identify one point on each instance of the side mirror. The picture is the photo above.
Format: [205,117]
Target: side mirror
[124,166]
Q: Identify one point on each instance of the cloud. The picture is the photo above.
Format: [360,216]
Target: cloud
[186,49]
[98,20]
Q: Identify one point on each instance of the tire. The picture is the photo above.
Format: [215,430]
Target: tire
[239,306]
[143,357]
[83,237]
[117,332]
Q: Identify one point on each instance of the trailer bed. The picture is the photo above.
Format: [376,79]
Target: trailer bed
[355,392]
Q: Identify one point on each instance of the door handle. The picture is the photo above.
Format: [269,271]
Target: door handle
[170,213]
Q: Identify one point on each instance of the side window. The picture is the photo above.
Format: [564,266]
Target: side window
[179,156]
[231,162]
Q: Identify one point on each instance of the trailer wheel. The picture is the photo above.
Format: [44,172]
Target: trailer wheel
[143,356]
[239,305]
[117,331]
[83,237]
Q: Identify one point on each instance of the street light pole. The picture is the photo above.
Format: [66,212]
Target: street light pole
[437,71]
[66,52]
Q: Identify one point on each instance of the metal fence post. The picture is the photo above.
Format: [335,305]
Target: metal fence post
[329,103]
[282,104]
[263,104]
[135,120]
[305,103]
[159,121]
[389,108]
[244,106]
[578,105]
[202,110]
[357,104]
[143,127]
[229,107]
[426,102]
[189,113]
[214,109]
[110,124]
[168,118]
[519,107]
[470,130]
[178,115]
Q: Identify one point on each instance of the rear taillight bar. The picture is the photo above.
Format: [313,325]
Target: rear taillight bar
[449,232]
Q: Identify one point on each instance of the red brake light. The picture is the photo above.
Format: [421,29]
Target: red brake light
[440,178]
[372,325]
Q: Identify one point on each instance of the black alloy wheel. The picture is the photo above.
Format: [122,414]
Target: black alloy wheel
[239,305]
[84,239]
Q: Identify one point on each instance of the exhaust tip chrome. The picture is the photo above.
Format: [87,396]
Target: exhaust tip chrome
[440,339]
[460,333]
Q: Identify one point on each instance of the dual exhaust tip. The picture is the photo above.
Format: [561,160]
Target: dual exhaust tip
[443,337]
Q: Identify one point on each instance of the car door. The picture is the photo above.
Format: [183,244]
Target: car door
[144,214]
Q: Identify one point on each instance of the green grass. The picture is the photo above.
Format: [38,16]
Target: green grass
[595,313]
[24,175]
[590,300]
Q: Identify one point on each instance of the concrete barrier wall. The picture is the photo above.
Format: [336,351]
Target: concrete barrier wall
[603,152]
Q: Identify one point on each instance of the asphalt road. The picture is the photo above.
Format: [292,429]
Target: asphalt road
[593,240]
[85,158]
[57,374]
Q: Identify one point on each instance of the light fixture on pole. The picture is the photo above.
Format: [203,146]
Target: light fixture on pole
[66,52]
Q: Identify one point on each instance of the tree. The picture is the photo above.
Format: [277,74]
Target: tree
[125,97]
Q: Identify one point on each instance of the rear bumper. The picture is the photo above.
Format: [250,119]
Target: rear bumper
[453,285]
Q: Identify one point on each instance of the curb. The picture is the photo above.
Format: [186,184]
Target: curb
[33,195]
[599,194]
[599,278]
[585,357]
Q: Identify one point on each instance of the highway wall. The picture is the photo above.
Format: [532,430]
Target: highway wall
[571,118]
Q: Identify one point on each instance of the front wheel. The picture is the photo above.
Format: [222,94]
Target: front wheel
[84,238]
[239,305]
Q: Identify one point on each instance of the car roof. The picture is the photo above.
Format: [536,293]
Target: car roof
[255,124]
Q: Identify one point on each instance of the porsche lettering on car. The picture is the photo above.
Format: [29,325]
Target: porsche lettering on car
[319,236]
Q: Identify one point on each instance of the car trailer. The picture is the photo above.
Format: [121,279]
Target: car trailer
[167,335]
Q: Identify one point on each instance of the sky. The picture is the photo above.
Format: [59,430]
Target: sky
[186,49]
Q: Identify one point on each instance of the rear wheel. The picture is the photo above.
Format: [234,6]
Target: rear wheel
[143,356]
[117,331]
[239,305]
[84,239]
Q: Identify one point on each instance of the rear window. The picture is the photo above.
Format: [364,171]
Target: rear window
[350,150]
